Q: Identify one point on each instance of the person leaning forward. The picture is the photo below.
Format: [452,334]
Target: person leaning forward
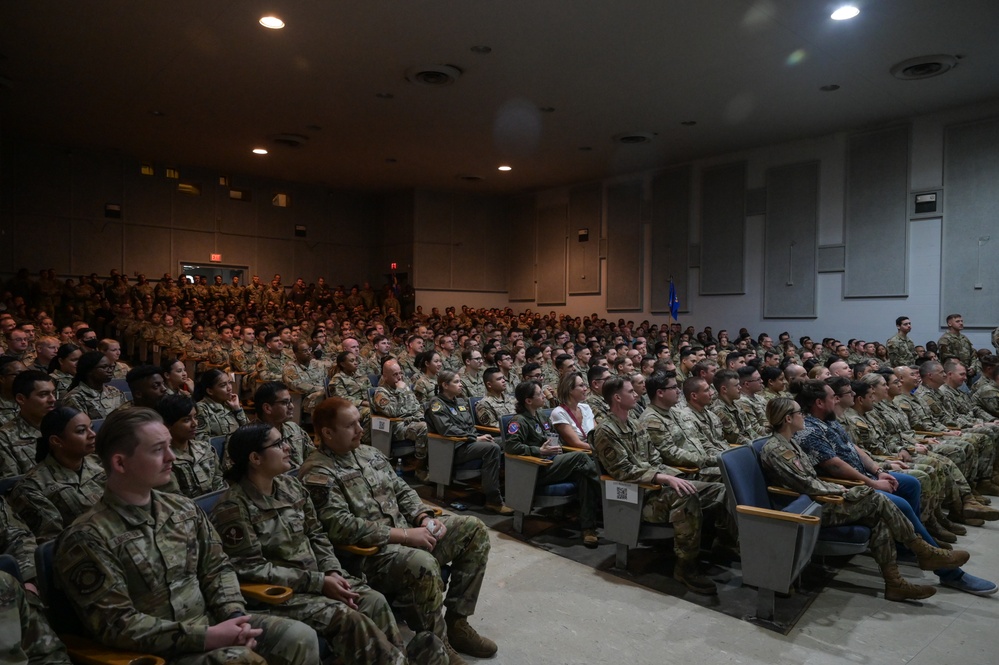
[361,501]
[145,571]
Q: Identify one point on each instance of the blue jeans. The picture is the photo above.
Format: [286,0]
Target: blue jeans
[907,499]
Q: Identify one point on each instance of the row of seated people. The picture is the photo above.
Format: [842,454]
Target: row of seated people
[618,393]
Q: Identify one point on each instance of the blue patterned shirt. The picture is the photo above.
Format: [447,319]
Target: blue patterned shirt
[824,440]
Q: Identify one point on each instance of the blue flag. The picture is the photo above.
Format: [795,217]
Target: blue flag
[674,302]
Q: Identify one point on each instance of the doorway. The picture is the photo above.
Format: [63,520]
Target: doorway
[190,270]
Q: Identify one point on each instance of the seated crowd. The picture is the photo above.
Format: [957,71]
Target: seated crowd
[906,435]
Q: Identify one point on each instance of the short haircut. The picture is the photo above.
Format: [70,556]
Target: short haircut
[768,374]
[267,394]
[174,407]
[702,367]
[271,336]
[489,373]
[501,354]
[898,321]
[596,373]
[745,373]
[810,392]
[24,383]
[861,388]
[951,317]
[138,374]
[117,434]
[657,381]
[325,414]
[691,385]
[723,376]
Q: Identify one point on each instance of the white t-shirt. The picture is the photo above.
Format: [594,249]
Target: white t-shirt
[562,417]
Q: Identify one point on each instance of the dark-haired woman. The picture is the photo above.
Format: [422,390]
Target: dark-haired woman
[425,384]
[68,478]
[271,534]
[196,469]
[532,435]
[90,391]
[219,411]
[62,369]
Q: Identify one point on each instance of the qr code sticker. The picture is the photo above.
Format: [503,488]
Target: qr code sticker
[622,493]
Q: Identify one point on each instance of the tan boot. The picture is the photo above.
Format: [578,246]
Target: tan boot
[897,588]
[953,527]
[420,470]
[454,658]
[972,508]
[463,638]
[933,558]
[987,487]
[686,572]
[939,533]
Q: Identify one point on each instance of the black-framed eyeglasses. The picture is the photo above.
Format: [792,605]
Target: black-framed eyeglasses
[282,442]
[282,402]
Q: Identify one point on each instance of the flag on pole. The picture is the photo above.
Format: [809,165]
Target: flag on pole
[674,302]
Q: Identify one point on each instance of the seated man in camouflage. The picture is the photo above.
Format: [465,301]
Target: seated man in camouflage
[395,399]
[497,402]
[986,395]
[306,375]
[27,637]
[145,570]
[738,427]
[35,395]
[626,453]
[273,405]
[361,501]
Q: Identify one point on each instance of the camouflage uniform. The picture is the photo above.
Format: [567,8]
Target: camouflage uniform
[963,450]
[785,464]
[270,367]
[62,381]
[489,409]
[737,427]
[678,437]
[299,440]
[756,409]
[26,636]
[17,540]
[766,395]
[96,405]
[152,578]
[402,403]
[196,471]
[626,453]
[17,447]
[525,435]
[8,410]
[310,381]
[599,407]
[354,389]
[452,362]
[277,539]
[901,351]
[454,418]
[50,496]
[222,354]
[215,419]
[424,387]
[945,411]
[245,360]
[198,351]
[358,499]
[986,397]
[408,365]
[959,346]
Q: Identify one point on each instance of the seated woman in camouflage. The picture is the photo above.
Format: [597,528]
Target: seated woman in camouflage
[271,534]
[62,369]
[219,411]
[68,479]
[90,391]
[425,383]
[347,383]
[175,376]
[197,469]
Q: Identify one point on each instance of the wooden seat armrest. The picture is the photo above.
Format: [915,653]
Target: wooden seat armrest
[530,460]
[357,549]
[687,469]
[925,433]
[272,594]
[841,481]
[645,486]
[388,418]
[573,449]
[485,429]
[84,651]
[810,520]
[828,498]
[773,489]
[437,511]
[456,439]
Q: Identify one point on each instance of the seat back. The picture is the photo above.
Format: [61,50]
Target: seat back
[7,484]
[62,618]
[471,404]
[740,468]
[8,564]
[218,443]
[373,379]
[96,424]
[504,423]
[208,501]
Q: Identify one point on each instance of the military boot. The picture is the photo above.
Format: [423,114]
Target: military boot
[454,658]
[897,588]
[685,571]
[987,487]
[932,558]
[463,638]
[420,470]
[971,508]
[939,533]
[953,527]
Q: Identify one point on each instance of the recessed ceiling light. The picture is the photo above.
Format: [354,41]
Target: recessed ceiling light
[259,151]
[158,114]
[845,12]
[272,22]
[481,49]
[505,168]
[829,88]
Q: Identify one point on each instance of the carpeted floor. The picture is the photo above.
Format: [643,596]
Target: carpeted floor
[650,565]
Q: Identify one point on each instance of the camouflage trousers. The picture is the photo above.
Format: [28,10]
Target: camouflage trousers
[411,578]
[684,513]
[931,485]
[955,486]
[888,525]
[283,642]
[415,431]
[961,451]
[714,501]
[578,468]
[367,635]
[26,635]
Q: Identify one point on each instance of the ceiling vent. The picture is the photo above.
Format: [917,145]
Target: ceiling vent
[290,140]
[634,138]
[924,67]
[433,75]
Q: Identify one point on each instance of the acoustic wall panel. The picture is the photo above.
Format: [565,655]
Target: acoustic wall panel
[432,235]
[832,258]
[790,241]
[670,237]
[522,218]
[723,230]
[551,255]
[969,270]
[624,246]
[585,212]
[876,226]
[195,212]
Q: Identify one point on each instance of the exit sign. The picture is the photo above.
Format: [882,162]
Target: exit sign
[215,258]
[394,266]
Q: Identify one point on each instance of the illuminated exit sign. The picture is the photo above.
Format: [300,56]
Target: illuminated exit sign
[394,266]
[215,258]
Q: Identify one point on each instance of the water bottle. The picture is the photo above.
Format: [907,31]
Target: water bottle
[398,467]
